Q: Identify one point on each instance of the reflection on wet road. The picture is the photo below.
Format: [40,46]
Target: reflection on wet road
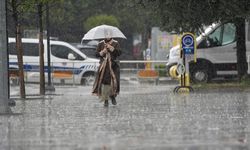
[147,117]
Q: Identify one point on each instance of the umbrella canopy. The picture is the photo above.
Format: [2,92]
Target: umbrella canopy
[102,32]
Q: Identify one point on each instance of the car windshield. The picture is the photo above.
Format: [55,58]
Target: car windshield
[88,50]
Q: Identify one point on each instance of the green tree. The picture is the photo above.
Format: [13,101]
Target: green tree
[135,19]
[99,20]
[67,19]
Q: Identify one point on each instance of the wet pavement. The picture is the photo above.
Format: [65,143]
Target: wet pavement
[147,117]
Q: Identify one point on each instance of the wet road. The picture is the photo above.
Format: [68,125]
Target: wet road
[147,117]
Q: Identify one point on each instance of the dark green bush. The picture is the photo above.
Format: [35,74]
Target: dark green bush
[161,69]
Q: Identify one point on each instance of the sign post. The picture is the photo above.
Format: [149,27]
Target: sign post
[188,53]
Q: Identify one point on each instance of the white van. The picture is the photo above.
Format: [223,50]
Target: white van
[67,62]
[216,53]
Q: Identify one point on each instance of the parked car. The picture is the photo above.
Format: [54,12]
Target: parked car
[67,62]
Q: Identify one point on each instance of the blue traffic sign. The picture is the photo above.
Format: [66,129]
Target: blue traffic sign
[188,44]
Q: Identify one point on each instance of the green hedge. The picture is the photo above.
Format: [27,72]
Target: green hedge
[161,69]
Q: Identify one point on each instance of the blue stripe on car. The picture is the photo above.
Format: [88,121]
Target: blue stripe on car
[35,68]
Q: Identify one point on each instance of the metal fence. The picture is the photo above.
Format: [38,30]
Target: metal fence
[73,73]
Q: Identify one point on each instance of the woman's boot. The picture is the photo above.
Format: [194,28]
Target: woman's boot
[106,103]
[113,100]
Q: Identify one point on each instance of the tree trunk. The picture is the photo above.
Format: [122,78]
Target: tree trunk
[241,48]
[19,48]
[41,49]
[20,60]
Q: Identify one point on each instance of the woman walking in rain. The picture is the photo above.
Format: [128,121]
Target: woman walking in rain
[107,82]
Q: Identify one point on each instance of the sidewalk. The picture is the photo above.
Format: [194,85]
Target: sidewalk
[147,117]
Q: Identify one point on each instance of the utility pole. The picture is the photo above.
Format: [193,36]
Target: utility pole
[50,87]
[4,86]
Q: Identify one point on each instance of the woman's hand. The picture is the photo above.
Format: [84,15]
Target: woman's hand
[103,52]
[110,48]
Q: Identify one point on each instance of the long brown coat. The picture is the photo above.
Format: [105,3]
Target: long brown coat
[109,69]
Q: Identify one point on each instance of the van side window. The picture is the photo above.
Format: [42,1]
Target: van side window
[223,35]
[212,40]
[63,52]
[228,34]
[29,49]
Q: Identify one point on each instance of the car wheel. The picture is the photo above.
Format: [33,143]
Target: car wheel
[199,75]
[88,79]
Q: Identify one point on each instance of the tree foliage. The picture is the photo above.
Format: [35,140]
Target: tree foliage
[99,20]
[192,15]
[67,18]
